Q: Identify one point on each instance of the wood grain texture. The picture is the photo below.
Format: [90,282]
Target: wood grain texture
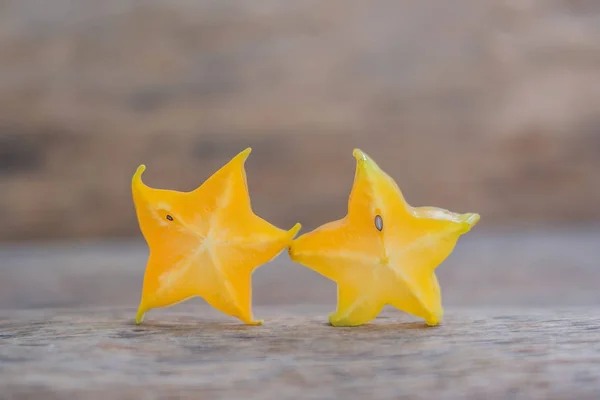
[522,322]
[476,353]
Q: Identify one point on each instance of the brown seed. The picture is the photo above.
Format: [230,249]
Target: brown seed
[379,222]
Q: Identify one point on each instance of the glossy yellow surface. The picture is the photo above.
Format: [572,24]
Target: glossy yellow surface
[384,251]
[205,243]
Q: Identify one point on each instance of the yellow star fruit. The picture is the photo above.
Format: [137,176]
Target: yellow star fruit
[383,251]
[206,242]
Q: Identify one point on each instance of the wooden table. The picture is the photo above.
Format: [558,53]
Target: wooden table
[522,321]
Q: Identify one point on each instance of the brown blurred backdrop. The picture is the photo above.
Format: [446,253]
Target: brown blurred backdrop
[489,106]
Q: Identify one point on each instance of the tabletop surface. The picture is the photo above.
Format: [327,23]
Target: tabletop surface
[522,321]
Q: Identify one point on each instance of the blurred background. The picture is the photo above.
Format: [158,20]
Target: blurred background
[488,106]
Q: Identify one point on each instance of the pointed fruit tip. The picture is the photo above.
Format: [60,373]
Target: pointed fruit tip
[336,321]
[241,157]
[434,318]
[139,317]
[245,153]
[359,155]
[363,161]
[247,318]
[138,173]
[471,218]
[295,229]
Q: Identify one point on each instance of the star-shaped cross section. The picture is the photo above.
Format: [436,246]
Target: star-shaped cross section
[205,243]
[383,251]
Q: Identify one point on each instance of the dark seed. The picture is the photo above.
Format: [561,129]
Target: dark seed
[171,218]
[379,222]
